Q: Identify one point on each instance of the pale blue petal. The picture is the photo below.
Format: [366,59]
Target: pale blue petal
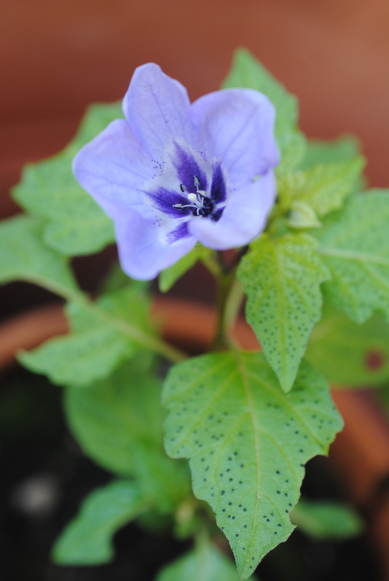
[144,249]
[243,219]
[114,167]
[238,127]
[157,108]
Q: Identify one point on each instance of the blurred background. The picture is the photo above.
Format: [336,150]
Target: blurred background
[57,57]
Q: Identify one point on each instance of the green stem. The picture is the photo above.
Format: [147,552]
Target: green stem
[229,300]
[225,285]
[148,341]
[233,305]
[211,263]
[62,291]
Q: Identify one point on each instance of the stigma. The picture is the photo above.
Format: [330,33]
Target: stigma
[200,204]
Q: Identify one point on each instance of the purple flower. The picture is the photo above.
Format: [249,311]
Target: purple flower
[174,173]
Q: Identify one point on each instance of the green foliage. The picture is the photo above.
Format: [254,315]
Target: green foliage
[117,279]
[118,423]
[342,149]
[103,334]
[87,540]
[323,187]
[247,442]
[326,520]
[73,223]
[355,246]
[282,278]
[342,350]
[170,275]
[248,73]
[24,256]
[204,563]
[114,416]
[382,395]
[302,215]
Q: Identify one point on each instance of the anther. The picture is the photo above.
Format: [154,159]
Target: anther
[199,202]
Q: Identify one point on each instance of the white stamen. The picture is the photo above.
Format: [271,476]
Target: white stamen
[192,197]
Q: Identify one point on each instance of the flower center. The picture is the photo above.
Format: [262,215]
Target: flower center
[200,204]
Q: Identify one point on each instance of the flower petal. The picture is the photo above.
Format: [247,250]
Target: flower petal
[157,108]
[113,169]
[143,251]
[243,219]
[238,127]
[188,167]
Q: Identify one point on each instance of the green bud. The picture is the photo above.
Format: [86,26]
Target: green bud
[302,216]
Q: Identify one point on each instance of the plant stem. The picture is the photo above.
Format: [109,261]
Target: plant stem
[211,264]
[148,341]
[229,300]
[224,322]
[233,305]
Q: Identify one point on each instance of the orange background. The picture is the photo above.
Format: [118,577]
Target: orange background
[55,57]
[58,56]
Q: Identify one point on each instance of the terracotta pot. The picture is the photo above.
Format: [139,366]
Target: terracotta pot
[360,453]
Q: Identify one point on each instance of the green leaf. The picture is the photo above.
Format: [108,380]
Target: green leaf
[342,149]
[382,396]
[115,279]
[247,442]
[282,278]
[118,423]
[355,246]
[74,223]
[114,416]
[169,276]
[87,540]
[302,215]
[326,520]
[103,335]
[350,354]
[25,257]
[203,563]
[248,73]
[323,187]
